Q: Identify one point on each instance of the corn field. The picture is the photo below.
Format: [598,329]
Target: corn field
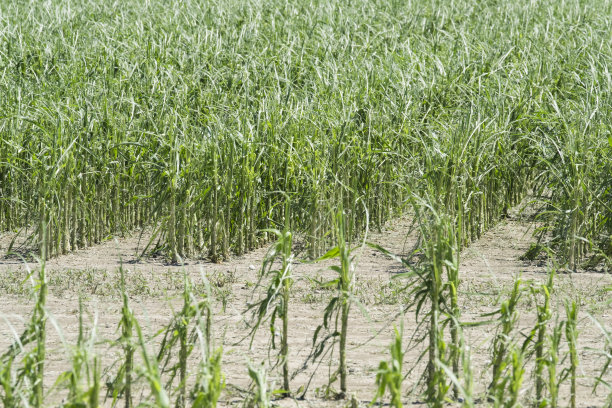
[213,129]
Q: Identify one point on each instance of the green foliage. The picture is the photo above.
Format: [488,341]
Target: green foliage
[539,332]
[508,315]
[337,310]
[197,122]
[25,387]
[215,124]
[275,304]
[181,334]
[389,375]
[552,362]
[83,380]
[433,292]
[150,371]
[121,385]
[261,396]
[210,382]
[571,335]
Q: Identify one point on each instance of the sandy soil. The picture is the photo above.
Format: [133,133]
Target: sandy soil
[488,269]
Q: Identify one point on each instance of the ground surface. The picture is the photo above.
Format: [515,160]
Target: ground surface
[488,268]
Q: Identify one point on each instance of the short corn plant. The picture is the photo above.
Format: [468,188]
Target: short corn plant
[507,317]
[83,379]
[463,386]
[389,375]
[571,335]
[606,353]
[130,340]
[181,334]
[261,397]
[440,255]
[150,371]
[544,314]
[275,304]
[210,381]
[506,391]
[434,282]
[26,386]
[552,363]
[515,380]
[120,387]
[336,315]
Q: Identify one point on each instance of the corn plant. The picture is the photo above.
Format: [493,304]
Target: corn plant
[337,310]
[440,254]
[516,379]
[210,381]
[389,375]
[507,390]
[130,340]
[606,354]
[276,302]
[83,379]
[433,283]
[552,363]
[8,382]
[261,396]
[539,332]
[508,316]
[150,371]
[468,378]
[121,385]
[27,385]
[181,334]
[571,335]
[463,383]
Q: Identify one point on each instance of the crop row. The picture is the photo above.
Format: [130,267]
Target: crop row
[200,121]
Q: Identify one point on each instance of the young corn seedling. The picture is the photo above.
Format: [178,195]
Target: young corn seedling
[468,376]
[261,397]
[8,383]
[276,302]
[571,335]
[27,385]
[606,354]
[508,315]
[339,306]
[516,379]
[552,363]
[40,315]
[539,332]
[427,286]
[507,389]
[83,380]
[150,371]
[121,385]
[440,255]
[389,375]
[464,388]
[451,261]
[210,381]
[180,334]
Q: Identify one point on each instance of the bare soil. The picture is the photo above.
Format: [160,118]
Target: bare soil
[488,269]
